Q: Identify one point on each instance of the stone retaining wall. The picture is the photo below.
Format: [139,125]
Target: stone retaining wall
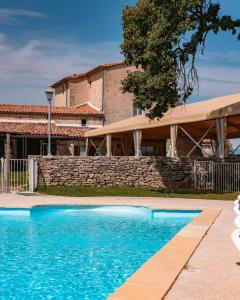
[115,171]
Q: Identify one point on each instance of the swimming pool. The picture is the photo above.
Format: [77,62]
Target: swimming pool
[68,252]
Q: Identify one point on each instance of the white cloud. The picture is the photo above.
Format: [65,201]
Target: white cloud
[27,69]
[219,74]
[2,42]
[217,80]
[11,16]
[222,57]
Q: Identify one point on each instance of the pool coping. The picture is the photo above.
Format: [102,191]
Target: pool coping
[154,278]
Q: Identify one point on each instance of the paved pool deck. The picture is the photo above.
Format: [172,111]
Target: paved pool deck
[211,273]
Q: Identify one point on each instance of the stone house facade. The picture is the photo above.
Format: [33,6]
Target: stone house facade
[101,87]
[28,128]
[82,102]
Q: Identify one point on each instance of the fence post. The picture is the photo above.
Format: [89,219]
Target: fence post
[2,174]
[213,174]
[7,166]
[195,173]
[35,173]
[31,175]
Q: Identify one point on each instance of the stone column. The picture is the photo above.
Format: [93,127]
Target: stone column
[109,145]
[173,137]
[137,138]
[87,146]
[221,125]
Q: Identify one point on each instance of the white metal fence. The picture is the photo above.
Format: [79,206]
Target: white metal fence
[217,176]
[18,175]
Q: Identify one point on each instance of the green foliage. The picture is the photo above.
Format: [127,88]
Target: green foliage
[92,191]
[162,39]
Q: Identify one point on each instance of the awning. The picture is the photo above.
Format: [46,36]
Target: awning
[196,112]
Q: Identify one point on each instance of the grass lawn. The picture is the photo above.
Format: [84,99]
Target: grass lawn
[88,191]
[18,180]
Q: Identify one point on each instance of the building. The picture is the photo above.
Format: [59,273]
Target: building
[82,102]
[94,100]
[28,129]
[101,87]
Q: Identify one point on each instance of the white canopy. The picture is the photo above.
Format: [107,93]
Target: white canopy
[200,111]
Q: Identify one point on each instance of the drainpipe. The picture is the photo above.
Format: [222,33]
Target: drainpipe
[67,98]
[103,94]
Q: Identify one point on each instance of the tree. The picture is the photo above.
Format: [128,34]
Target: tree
[162,39]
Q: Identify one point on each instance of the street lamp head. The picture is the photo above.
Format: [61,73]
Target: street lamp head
[49,94]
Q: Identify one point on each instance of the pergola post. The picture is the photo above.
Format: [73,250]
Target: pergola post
[109,145]
[173,137]
[221,125]
[86,146]
[137,139]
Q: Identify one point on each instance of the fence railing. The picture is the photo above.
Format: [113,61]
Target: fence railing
[18,175]
[203,174]
[217,176]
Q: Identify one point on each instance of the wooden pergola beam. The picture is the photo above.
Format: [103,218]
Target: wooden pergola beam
[199,130]
[97,149]
[196,143]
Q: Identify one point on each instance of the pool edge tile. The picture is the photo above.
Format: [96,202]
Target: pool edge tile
[154,279]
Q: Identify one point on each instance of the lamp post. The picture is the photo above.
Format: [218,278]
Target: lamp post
[49,94]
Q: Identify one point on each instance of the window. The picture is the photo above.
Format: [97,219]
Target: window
[84,122]
[137,111]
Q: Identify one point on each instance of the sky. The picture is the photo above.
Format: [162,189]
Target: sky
[44,41]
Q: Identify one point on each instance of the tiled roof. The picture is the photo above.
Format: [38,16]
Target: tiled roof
[40,129]
[96,69]
[81,110]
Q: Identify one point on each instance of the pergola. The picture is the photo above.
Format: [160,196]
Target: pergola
[216,119]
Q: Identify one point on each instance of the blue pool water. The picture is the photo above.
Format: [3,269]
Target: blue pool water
[82,253]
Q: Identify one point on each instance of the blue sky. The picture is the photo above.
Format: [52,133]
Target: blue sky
[43,41]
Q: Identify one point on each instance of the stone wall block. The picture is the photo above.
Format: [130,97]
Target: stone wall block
[153,172]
